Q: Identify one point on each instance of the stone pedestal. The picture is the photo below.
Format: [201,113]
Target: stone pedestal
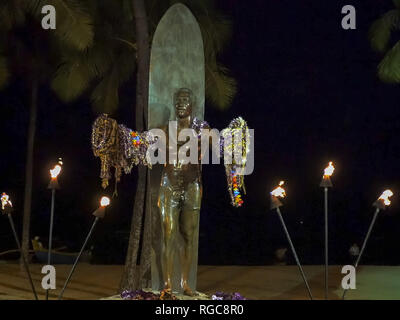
[199,296]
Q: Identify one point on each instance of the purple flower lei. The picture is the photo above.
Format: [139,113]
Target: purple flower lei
[143,295]
[227,296]
[139,295]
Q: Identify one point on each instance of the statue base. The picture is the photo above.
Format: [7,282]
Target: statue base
[179,296]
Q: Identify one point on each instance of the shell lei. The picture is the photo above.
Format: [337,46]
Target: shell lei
[234,146]
[118,147]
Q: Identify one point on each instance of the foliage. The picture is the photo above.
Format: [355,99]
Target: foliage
[380,35]
[32,55]
[105,65]
[30,47]
[111,60]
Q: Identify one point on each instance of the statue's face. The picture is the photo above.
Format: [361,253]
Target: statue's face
[183,105]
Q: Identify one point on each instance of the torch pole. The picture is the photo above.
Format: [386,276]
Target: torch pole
[294,252]
[365,243]
[326,183]
[326,243]
[22,256]
[53,194]
[77,259]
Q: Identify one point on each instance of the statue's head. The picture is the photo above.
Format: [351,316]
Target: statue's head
[183,101]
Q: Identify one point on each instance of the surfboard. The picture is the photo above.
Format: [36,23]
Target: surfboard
[176,61]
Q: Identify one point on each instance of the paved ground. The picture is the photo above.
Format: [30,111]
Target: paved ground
[257,282]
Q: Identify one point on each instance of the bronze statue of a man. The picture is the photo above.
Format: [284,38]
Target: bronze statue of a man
[180,192]
[179,200]
[176,60]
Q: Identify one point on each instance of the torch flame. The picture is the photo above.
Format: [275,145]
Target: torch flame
[385,197]
[328,171]
[279,191]
[105,201]
[5,200]
[55,171]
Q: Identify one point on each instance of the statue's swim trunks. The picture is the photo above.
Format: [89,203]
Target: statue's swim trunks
[180,189]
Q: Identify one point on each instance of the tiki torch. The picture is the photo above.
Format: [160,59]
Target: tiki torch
[326,183]
[380,204]
[53,186]
[99,214]
[6,209]
[277,193]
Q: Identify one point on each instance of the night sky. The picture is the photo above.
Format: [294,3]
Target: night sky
[309,90]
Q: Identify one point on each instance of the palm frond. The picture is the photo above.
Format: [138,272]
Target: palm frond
[389,67]
[380,31]
[105,96]
[82,67]
[132,45]
[71,80]
[220,87]
[74,25]
[98,59]
[216,31]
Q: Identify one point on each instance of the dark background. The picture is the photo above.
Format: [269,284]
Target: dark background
[309,90]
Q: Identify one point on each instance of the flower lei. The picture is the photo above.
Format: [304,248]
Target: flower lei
[227,296]
[118,147]
[230,146]
[235,142]
[122,148]
[147,295]
[167,295]
[198,125]
[236,188]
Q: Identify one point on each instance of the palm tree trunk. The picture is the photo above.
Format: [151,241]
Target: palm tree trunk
[136,273]
[29,170]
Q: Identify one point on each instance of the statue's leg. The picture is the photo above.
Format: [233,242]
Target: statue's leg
[188,226]
[169,210]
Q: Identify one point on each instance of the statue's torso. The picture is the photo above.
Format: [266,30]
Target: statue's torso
[181,175]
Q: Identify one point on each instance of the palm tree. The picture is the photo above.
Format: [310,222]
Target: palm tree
[32,54]
[380,35]
[134,277]
[112,59]
[103,67]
